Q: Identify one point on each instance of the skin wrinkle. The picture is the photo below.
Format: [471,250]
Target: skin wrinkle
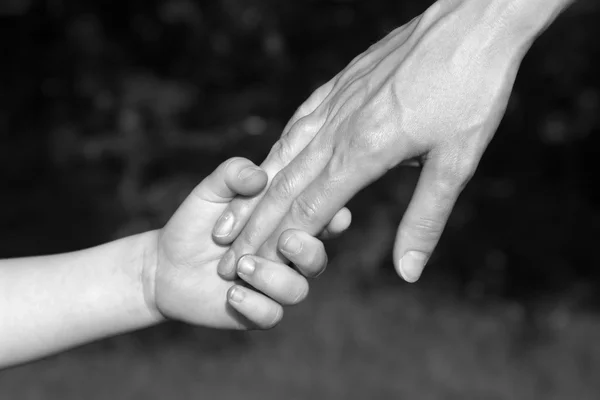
[251,236]
[284,185]
[324,195]
[304,210]
[293,182]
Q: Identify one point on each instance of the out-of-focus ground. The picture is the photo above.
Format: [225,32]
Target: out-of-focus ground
[395,344]
[111,112]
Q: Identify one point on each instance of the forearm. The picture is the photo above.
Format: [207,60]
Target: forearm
[510,23]
[52,303]
[529,18]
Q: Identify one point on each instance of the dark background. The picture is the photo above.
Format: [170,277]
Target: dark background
[110,112]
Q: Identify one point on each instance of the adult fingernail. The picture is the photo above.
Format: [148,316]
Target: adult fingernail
[292,245]
[246,173]
[237,294]
[411,265]
[246,266]
[224,225]
[226,265]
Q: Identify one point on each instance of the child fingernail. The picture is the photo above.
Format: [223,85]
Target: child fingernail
[226,265]
[246,266]
[248,172]
[236,294]
[224,225]
[411,265]
[292,245]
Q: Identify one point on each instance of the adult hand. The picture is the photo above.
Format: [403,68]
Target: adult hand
[434,90]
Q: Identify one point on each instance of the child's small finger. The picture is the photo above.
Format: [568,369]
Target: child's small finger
[305,251]
[257,308]
[338,224]
[278,281]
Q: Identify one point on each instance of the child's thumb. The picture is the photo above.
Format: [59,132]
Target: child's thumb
[235,176]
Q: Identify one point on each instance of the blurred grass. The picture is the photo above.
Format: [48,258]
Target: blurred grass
[395,343]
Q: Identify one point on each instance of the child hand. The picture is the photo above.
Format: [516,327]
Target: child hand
[181,280]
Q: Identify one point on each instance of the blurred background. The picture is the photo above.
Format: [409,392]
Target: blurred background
[110,112]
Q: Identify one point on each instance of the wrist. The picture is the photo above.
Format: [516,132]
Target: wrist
[511,24]
[530,18]
[147,271]
[525,19]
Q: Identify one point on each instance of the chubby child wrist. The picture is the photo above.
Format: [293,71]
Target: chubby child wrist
[147,272]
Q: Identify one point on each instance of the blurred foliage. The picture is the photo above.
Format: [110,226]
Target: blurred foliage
[110,112]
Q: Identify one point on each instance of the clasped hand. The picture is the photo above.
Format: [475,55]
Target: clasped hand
[180,274]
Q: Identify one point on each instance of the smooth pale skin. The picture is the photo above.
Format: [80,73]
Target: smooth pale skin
[52,303]
[433,90]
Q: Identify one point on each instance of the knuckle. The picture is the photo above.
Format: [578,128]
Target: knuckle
[281,150]
[247,238]
[357,59]
[458,173]
[304,210]
[427,229]
[360,156]
[359,63]
[361,143]
[366,139]
[319,95]
[282,186]
[306,107]
[342,162]
[306,126]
